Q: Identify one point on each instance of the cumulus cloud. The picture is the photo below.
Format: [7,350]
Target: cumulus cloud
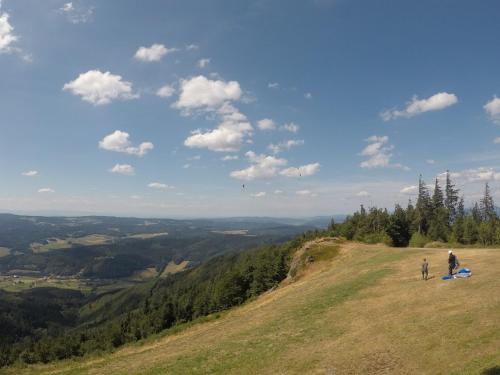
[430,161]
[262,166]
[306,193]
[153,54]
[303,171]
[379,153]
[165,91]
[417,106]
[266,124]
[203,63]
[290,127]
[409,190]
[118,141]
[492,108]
[159,186]
[30,173]
[125,169]
[228,136]
[76,12]
[46,190]
[278,192]
[100,88]
[7,36]
[260,194]
[285,145]
[481,174]
[308,95]
[200,92]
[363,194]
[192,47]
[273,85]
[229,157]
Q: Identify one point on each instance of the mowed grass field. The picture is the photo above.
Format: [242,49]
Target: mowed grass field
[361,310]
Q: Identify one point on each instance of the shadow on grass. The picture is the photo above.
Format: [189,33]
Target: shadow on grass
[492,371]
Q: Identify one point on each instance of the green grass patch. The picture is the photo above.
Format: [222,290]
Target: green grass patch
[249,350]
[321,252]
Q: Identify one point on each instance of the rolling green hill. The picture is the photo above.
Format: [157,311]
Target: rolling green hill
[355,309]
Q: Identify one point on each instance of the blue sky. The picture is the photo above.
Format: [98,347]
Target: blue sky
[112,107]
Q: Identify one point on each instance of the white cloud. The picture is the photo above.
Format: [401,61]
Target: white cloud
[303,171]
[203,63]
[306,193]
[278,192]
[260,194]
[266,124]
[481,174]
[496,140]
[409,190]
[7,36]
[165,91]
[430,161]
[46,190]
[379,153]
[263,166]
[100,88]
[492,108]
[159,186]
[230,157]
[417,106]
[135,197]
[228,136]
[118,141]
[125,169]
[191,47]
[186,166]
[153,53]
[308,95]
[201,92]
[363,194]
[196,157]
[291,127]
[285,145]
[273,85]
[30,173]
[77,13]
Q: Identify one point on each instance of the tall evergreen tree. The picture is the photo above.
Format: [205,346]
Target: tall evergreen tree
[423,208]
[437,197]
[451,199]
[487,206]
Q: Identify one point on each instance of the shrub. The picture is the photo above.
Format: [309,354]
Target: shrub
[418,240]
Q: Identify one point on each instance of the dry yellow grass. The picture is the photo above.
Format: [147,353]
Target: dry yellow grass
[366,311]
[172,268]
[4,251]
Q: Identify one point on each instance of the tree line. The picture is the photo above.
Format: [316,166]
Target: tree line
[436,219]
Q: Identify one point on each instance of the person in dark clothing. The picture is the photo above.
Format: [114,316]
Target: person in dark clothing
[452,262]
[425,269]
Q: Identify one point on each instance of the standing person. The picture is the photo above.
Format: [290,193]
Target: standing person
[452,262]
[425,269]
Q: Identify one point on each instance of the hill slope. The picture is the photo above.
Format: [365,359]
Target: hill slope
[363,311]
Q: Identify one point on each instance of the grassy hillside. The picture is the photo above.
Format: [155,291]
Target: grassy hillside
[356,309]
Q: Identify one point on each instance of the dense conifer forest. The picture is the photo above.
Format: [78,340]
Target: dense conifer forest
[436,219]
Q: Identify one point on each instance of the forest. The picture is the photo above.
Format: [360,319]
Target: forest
[437,219]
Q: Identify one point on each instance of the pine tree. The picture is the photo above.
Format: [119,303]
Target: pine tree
[437,197]
[451,199]
[487,206]
[423,209]
[476,213]
[399,227]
